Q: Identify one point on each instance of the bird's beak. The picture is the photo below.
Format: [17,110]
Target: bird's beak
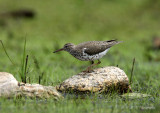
[58,50]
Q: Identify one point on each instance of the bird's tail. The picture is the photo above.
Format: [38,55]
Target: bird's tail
[117,42]
[113,42]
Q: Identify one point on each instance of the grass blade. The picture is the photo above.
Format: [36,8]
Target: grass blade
[25,72]
[6,52]
[132,71]
[23,63]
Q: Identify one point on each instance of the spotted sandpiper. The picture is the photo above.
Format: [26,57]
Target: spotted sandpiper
[89,51]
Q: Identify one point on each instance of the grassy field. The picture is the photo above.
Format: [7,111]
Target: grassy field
[55,23]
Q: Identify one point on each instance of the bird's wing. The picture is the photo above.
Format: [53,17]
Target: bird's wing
[95,47]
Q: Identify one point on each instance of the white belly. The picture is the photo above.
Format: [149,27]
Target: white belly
[94,57]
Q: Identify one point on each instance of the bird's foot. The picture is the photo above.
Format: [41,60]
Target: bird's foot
[87,71]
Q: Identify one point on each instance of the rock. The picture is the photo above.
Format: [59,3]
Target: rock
[37,90]
[101,80]
[9,87]
[8,84]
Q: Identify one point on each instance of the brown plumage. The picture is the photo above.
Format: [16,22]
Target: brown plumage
[89,51]
[95,47]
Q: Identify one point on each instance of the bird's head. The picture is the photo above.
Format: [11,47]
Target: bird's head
[67,47]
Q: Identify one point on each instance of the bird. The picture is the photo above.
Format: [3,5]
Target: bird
[89,51]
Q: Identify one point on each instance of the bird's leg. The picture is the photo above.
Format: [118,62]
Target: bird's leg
[92,62]
[89,68]
[98,62]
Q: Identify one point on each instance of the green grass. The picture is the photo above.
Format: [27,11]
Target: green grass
[58,22]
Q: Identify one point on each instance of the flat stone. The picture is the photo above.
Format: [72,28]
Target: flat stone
[101,80]
[37,90]
[10,87]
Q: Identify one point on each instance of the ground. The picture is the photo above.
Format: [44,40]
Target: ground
[55,23]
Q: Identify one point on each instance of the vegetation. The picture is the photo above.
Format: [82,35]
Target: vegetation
[55,23]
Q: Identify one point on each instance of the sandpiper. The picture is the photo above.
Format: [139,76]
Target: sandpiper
[89,51]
